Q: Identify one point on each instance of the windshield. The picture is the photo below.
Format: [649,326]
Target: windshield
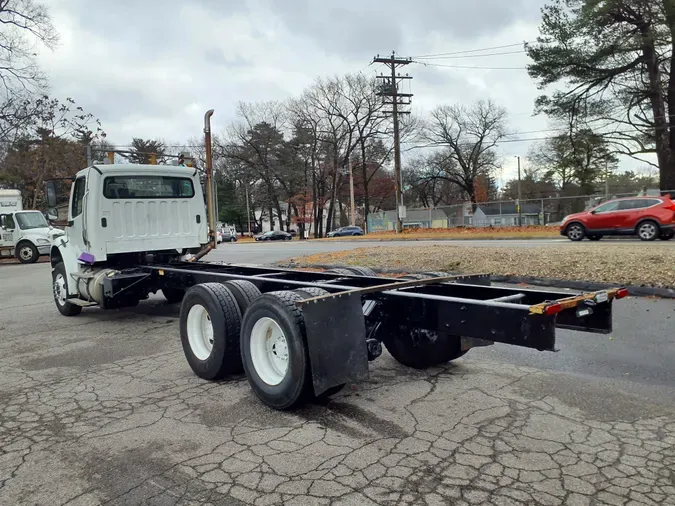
[31,220]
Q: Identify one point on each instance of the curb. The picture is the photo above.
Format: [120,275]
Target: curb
[587,286]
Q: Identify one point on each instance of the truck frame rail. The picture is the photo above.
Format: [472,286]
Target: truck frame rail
[350,315]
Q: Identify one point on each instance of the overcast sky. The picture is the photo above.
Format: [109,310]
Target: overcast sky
[150,68]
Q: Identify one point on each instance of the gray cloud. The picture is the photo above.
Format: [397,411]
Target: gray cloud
[355,27]
[151,68]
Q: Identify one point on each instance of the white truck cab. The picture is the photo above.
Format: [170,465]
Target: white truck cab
[120,216]
[23,234]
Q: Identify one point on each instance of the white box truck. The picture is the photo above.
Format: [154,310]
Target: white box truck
[25,235]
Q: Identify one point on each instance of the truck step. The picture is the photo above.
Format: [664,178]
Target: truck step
[81,303]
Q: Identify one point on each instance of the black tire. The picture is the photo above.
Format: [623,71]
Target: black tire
[575,232]
[311,291]
[221,306]
[64,307]
[295,388]
[362,271]
[26,252]
[421,348]
[244,293]
[287,238]
[418,276]
[173,295]
[233,239]
[355,234]
[340,270]
[666,236]
[594,237]
[648,230]
[436,274]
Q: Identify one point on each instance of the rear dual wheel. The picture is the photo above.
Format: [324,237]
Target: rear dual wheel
[268,343]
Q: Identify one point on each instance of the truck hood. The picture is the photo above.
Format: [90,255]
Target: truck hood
[48,233]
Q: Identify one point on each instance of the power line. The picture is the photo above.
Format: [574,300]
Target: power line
[472,50]
[466,66]
[469,55]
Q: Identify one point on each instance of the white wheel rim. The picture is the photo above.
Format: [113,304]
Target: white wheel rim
[200,331]
[269,351]
[26,253]
[60,289]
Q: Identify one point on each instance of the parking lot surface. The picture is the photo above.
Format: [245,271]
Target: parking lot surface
[103,409]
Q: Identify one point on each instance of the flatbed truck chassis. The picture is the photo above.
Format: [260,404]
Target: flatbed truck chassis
[301,334]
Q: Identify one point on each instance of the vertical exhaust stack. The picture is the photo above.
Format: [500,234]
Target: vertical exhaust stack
[209,179]
[210,209]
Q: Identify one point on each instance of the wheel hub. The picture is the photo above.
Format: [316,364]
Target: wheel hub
[26,253]
[60,289]
[200,331]
[269,351]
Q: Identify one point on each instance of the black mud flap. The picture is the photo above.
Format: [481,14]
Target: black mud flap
[336,340]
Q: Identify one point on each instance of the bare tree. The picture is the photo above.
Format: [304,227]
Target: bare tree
[23,25]
[468,137]
[336,132]
[255,143]
[51,146]
[366,114]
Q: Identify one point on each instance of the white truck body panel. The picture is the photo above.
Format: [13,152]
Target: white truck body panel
[10,200]
[109,213]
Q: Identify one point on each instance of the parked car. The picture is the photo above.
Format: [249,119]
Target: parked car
[343,231]
[229,235]
[647,217]
[274,235]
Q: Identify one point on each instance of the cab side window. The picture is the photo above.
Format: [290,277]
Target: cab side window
[7,221]
[78,196]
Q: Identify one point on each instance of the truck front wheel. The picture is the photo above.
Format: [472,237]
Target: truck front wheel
[27,253]
[422,348]
[60,291]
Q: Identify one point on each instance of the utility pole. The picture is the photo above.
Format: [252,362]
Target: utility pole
[390,89]
[520,196]
[606,179]
[248,212]
[351,192]
[90,160]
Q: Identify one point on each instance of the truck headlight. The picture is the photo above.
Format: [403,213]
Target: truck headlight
[43,241]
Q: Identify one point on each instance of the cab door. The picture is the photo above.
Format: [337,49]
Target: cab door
[75,229]
[603,218]
[7,231]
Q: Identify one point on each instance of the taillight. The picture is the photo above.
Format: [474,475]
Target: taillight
[553,309]
[621,293]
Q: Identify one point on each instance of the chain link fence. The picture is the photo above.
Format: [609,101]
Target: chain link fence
[503,213]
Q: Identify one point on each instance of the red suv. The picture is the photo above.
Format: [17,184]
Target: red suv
[647,217]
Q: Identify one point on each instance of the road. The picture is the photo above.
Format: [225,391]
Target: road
[102,409]
[269,252]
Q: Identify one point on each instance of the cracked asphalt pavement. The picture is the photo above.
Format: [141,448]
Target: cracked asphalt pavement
[103,409]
